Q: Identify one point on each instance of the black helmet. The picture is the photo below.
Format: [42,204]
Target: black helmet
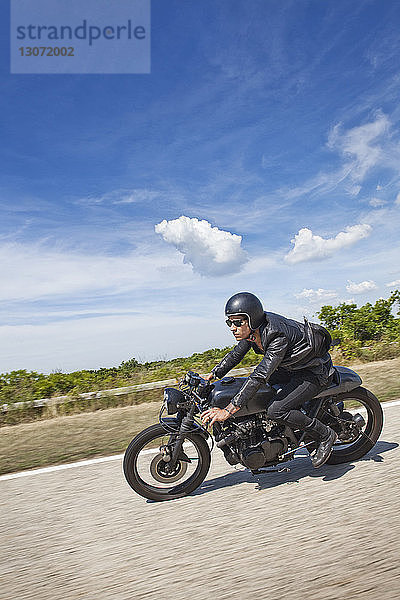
[247,304]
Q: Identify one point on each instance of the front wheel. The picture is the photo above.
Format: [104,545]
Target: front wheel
[359,425]
[147,469]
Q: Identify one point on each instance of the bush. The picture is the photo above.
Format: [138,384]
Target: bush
[371,332]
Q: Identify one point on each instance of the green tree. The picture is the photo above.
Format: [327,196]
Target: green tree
[369,322]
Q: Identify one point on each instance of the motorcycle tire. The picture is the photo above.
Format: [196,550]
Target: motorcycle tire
[156,492]
[374,423]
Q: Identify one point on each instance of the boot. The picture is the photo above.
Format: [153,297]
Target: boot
[326,438]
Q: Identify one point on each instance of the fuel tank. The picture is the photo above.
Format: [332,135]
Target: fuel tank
[225,389]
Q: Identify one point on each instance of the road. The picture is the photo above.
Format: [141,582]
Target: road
[329,534]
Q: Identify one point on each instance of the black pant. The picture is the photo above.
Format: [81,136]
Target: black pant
[297,388]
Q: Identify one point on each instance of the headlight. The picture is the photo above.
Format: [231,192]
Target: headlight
[172,398]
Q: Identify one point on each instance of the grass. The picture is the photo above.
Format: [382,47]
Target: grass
[381,377]
[105,432]
[79,405]
[75,437]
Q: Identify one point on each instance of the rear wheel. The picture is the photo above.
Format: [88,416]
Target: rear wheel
[359,425]
[147,464]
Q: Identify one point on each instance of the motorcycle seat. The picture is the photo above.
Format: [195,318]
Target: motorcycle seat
[344,380]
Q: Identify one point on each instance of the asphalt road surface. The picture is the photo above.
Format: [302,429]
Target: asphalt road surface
[332,533]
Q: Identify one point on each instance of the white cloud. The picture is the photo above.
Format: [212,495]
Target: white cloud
[360,145]
[397,201]
[354,190]
[208,249]
[30,271]
[308,246]
[123,196]
[377,202]
[261,264]
[361,148]
[317,295]
[135,196]
[361,288]
[393,283]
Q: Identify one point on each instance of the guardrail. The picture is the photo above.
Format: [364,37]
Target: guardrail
[121,391]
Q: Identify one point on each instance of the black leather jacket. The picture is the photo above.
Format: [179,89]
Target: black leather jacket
[287,344]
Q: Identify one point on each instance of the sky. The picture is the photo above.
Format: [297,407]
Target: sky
[261,154]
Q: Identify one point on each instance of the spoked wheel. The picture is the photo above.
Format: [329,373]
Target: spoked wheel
[359,425]
[148,470]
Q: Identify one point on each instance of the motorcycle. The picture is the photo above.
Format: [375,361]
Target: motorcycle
[171,459]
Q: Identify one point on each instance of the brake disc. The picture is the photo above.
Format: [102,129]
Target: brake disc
[159,470]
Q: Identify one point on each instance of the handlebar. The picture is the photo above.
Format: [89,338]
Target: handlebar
[194,380]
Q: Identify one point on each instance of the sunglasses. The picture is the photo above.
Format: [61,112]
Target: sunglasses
[235,322]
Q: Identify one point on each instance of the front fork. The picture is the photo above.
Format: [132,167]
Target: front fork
[185,427]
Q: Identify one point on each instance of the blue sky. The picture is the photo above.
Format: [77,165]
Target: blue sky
[261,153]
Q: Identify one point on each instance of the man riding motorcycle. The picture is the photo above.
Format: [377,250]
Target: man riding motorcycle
[295,357]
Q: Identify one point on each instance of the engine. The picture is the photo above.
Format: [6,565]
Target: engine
[254,441]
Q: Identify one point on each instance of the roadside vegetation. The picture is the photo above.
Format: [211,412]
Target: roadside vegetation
[22,385]
[28,386]
[367,333]
[107,432]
